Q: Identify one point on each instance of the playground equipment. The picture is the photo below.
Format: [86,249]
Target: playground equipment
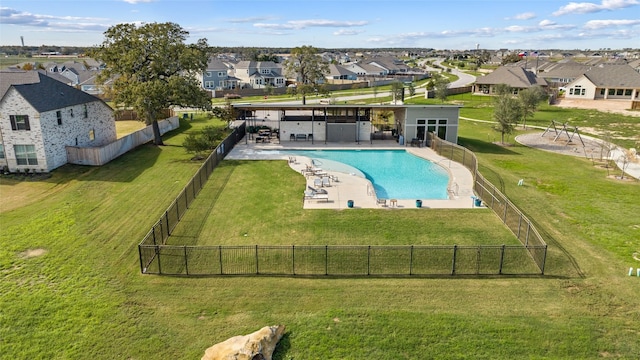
[564,130]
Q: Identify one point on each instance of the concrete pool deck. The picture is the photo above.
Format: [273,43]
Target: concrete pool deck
[351,187]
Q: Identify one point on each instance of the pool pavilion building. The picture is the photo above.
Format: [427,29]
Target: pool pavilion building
[345,123]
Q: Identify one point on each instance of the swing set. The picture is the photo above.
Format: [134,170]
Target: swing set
[564,129]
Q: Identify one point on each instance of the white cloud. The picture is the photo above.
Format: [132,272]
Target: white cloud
[138,1]
[587,7]
[524,16]
[599,24]
[248,20]
[346,32]
[61,23]
[303,24]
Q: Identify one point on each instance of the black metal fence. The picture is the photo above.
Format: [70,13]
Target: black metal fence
[512,217]
[162,229]
[336,260]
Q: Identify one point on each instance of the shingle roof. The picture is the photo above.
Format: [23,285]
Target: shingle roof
[610,75]
[16,77]
[49,94]
[513,76]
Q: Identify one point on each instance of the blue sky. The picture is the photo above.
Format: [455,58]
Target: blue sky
[452,24]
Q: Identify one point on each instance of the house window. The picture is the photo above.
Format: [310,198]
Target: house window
[265,71]
[577,90]
[279,81]
[92,135]
[1,151]
[627,92]
[71,112]
[221,73]
[19,122]
[25,154]
[612,91]
[602,92]
[209,73]
[59,117]
[86,111]
[209,84]
[619,92]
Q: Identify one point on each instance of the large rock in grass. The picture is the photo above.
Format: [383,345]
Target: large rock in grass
[255,346]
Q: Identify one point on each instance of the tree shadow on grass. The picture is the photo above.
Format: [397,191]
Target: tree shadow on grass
[479,146]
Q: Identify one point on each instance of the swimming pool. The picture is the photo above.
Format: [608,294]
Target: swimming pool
[395,174]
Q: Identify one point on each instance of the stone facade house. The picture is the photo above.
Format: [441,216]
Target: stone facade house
[40,117]
[606,81]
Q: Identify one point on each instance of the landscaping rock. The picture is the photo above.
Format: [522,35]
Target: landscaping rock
[255,346]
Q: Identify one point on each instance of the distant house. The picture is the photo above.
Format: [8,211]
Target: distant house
[560,73]
[606,81]
[514,76]
[337,72]
[40,116]
[216,76]
[259,74]
[363,69]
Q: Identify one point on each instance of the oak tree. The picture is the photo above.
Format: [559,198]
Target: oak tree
[151,69]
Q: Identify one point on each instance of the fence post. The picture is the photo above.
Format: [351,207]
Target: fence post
[326,259]
[368,260]
[153,231]
[158,256]
[166,216]
[478,261]
[453,265]
[501,260]
[411,260]
[220,255]
[177,210]
[506,206]
[257,268]
[186,262]
[141,261]
[544,260]
[526,238]
[293,259]
[519,226]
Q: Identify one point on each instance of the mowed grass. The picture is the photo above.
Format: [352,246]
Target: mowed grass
[83,295]
[268,211]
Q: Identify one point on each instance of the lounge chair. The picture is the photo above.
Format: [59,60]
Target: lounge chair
[310,195]
[317,191]
[326,181]
[317,182]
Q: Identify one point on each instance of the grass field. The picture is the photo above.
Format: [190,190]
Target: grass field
[71,286]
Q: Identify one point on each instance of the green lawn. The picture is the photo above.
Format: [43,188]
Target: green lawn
[82,296]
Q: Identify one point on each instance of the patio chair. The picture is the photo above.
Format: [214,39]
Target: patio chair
[317,191]
[381,202]
[317,182]
[326,181]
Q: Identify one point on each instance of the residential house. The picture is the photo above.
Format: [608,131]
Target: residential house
[606,81]
[391,65]
[40,116]
[515,76]
[338,72]
[216,76]
[558,74]
[364,69]
[259,74]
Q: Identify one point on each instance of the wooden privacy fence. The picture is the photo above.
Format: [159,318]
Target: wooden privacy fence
[101,155]
[336,260]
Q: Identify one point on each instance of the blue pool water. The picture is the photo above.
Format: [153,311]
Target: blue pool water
[395,174]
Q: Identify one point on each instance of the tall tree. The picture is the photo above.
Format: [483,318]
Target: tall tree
[397,91]
[506,111]
[307,68]
[440,86]
[529,100]
[153,69]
